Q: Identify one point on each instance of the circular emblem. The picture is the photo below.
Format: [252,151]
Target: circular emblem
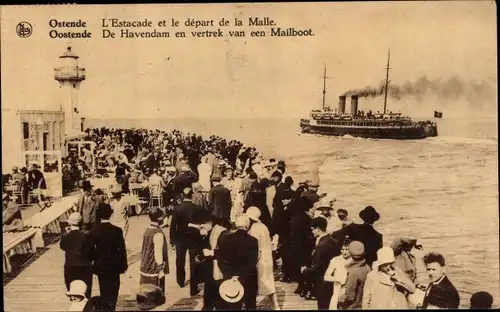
[24,29]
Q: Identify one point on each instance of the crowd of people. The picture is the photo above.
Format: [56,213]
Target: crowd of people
[243,223]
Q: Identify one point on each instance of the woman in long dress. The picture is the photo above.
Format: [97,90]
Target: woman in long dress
[266,286]
[337,274]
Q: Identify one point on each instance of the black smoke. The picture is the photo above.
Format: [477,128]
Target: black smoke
[452,88]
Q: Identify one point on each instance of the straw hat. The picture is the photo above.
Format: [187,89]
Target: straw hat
[216,177]
[77,288]
[149,296]
[385,255]
[242,222]
[75,219]
[323,204]
[116,189]
[231,290]
[253,213]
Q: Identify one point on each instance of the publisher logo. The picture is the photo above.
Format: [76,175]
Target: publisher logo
[24,29]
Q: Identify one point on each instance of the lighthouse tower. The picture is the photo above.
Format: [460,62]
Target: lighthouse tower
[69,75]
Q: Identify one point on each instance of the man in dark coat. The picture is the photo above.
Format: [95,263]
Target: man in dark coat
[36,180]
[365,233]
[311,192]
[219,201]
[301,243]
[87,206]
[326,248]
[237,256]
[78,253]
[110,255]
[440,293]
[208,268]
[185,238]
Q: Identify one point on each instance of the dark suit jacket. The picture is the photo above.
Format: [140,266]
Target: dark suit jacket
[183,215]
[78,249]
[443,295]
[109,253]
[219,202]
[300,238]
[237,255]
[325,250]
[280,224]
[365,233]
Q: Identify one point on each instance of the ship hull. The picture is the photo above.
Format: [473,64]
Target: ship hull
[394,133]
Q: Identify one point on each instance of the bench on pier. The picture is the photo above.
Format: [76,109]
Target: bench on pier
[48,220]
[22,242]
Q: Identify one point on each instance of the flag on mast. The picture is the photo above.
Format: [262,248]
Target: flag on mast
[438,114]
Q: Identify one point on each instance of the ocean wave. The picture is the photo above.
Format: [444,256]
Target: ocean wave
[461,140]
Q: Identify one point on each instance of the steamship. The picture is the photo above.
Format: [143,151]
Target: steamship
[356,123]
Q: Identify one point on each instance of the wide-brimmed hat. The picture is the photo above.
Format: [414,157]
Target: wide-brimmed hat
[149,296]
[231,290]
[216,177]
[116,189]
[253,213]
[75,219]
[77,288]
[323,204]
[385,255]
[369,215]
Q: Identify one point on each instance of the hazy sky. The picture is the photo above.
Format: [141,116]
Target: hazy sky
[247,77]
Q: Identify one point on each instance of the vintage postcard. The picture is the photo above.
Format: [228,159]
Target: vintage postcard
[282,156]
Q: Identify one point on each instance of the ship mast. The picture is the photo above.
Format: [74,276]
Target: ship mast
[387,79]
[324,86]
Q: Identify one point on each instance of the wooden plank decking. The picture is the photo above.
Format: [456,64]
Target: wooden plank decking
[40,286]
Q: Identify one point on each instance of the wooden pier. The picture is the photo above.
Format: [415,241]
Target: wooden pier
[40,285]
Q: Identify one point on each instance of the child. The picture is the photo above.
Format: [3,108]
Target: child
[76,294]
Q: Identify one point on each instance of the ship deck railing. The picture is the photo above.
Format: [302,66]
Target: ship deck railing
[368,123]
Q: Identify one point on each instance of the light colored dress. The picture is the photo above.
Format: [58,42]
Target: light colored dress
[120,214]
[336,273]
[266,285]
[237,198]
[204,172]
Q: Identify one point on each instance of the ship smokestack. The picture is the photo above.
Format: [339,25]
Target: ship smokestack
[341,104]
[354,104]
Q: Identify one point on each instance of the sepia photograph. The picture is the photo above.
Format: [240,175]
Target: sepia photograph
[250,156]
